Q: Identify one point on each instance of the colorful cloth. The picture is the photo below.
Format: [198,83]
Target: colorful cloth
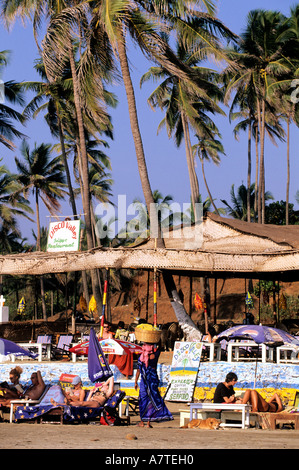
[151,404]
[147,350]
[124,363]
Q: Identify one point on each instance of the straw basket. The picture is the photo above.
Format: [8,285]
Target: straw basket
[148,336]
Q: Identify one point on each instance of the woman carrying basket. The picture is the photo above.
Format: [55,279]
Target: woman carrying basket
[151,404]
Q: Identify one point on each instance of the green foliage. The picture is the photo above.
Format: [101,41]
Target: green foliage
[275,213]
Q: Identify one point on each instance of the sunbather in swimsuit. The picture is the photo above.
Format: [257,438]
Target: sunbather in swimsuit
[99,395]
[258,403]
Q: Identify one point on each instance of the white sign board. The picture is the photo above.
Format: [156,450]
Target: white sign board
[184,369]
[64,236]
[4,314]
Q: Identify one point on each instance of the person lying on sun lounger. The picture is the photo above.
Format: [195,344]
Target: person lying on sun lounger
[258,403]
[99,394]
[76,394]
[96,397]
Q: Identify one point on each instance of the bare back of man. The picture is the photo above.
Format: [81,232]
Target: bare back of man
[38,386]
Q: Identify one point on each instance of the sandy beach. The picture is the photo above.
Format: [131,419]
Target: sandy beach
[161,437]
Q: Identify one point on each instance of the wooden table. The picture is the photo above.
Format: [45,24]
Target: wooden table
[39,347]
[244,408]
[274,418]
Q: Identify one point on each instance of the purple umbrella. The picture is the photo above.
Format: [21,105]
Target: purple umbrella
[260,334]
[9,347]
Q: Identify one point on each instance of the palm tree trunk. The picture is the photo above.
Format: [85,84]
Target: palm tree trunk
[183,318]
[262,175]
[207,187]
[288,172]
[191,170]
[256,175]
[249,174]
[38,248]
[261,198]
[65,164]
[85,177]
[142,167]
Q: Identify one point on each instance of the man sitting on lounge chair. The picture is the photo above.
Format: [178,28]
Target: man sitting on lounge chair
[35,390]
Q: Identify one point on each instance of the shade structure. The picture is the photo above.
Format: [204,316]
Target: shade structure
[217,246]
[260,334]
[109,346]
[9,347]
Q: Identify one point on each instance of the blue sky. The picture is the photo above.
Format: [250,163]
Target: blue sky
[166,164]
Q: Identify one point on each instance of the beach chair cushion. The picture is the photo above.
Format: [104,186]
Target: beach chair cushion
[107,414]
[46,339]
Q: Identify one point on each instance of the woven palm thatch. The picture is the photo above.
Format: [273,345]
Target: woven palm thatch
[217,245]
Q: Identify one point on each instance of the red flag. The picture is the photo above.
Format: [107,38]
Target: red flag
[198,302]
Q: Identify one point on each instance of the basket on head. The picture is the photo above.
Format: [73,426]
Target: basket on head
[148,336]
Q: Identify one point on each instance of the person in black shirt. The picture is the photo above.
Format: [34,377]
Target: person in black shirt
[224,392]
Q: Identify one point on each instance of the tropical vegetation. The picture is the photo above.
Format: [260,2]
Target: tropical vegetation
[83,49]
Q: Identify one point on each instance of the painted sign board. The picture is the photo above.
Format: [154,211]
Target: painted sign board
[184,370]
[64,236]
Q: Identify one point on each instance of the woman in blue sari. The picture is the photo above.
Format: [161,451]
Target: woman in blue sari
[151,404]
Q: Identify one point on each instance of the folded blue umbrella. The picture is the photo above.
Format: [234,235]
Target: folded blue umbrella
[9,347]
[98,367]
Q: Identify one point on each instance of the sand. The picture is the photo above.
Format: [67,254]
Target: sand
[159,438]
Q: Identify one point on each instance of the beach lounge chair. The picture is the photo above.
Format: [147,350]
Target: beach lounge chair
[25,402]
[46,412]
[46,340]
[62,348]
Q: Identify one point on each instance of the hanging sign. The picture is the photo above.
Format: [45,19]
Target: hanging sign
[64,236]
[184,370]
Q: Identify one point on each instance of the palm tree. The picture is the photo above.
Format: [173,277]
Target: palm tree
[259,61]
[138,228]
[248,120]
[111,21]
[87,87]
[290,40]
[12,204]
[43,176]
[115,19]
[12,93]
[238,209]
[185,106]
[53,99]
[208,149]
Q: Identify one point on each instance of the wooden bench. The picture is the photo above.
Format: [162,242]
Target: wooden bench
[244,408]
[283,417]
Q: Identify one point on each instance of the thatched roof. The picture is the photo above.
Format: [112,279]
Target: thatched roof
[218,246]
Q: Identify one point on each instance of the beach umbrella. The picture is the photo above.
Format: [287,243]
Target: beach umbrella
[260,334]
[109,346]
[98,367]
[9,347]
